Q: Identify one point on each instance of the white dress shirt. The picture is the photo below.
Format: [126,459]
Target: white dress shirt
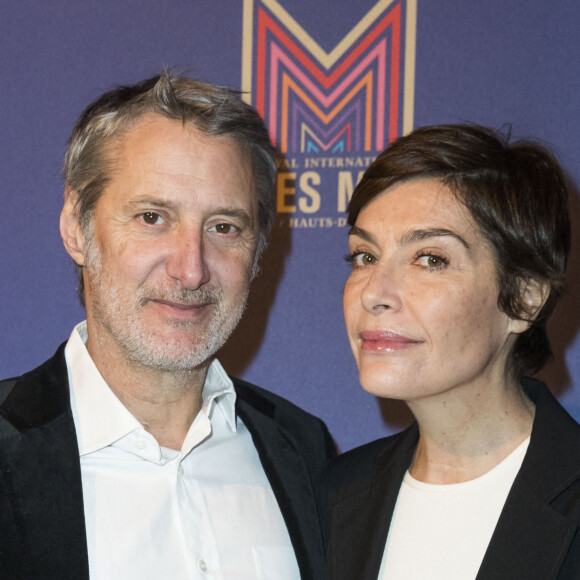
[153,513]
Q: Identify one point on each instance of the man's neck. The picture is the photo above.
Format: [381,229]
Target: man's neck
[164,402]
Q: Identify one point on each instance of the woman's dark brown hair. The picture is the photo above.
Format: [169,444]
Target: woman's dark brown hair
[516,194]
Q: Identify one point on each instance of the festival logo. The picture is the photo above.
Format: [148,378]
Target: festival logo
[329,113]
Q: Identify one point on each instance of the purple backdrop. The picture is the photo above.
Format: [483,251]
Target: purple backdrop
[492,63]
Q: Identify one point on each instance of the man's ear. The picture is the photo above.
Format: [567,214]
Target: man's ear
[534,294]
[70,227]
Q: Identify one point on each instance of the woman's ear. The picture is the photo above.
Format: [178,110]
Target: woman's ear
[70,227]
[534,294]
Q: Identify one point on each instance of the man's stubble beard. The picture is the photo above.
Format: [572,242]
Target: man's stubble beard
[149,349]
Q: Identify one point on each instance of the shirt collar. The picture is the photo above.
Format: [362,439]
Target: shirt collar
[99,416]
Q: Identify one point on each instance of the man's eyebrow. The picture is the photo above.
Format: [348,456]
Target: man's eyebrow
[424,234]
[140,202]
[154,202]
[239,214]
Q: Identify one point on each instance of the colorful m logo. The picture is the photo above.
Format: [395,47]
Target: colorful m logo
[356,98]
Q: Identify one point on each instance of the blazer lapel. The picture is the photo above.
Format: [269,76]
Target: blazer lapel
[291,483]
[530,540]
[532,536]
[40,468]
[361,516]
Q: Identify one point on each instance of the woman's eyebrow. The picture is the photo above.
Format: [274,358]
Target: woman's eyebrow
[361,233]
[410,236]
[424,234]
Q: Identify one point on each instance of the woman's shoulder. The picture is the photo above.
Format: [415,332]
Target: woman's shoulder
[359,463]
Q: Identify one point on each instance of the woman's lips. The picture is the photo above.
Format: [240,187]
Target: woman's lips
[377,341]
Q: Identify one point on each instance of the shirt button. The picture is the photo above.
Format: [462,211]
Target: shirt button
[202,565]
[180,469]
[140,444]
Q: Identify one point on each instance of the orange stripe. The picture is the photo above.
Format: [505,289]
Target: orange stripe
[287,83]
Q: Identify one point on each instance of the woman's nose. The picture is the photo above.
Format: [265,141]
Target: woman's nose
[381,290]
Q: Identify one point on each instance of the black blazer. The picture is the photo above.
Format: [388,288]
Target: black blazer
[42,527]
[537,536]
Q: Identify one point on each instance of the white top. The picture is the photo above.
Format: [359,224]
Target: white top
[441,532]
[152,513]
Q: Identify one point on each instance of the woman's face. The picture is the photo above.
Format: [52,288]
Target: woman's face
[421,301]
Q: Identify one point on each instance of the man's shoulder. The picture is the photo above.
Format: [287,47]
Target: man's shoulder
[269,403]
[6,386]
[298,425]
[53,365]
[37,394]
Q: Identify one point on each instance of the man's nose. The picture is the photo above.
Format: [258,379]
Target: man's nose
[186,260]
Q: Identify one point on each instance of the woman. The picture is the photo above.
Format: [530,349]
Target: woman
[458,245]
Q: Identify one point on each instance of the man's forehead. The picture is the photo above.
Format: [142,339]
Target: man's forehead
[162,162]
[157,137]
[154,123]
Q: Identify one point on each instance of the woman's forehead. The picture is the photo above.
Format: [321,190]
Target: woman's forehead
[416,200]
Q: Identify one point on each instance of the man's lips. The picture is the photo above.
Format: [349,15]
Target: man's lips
[180,309]
[179,305]
[373,340]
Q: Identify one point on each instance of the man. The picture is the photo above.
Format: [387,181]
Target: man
[131,453]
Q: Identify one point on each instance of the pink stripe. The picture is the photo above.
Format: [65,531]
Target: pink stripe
[278,55]
[273,126]
[381,90]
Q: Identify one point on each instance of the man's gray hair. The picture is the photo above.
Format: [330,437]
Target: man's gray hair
[215,111]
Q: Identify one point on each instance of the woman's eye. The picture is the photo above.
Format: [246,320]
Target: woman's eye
[152,218]
[360,259]
[432,261]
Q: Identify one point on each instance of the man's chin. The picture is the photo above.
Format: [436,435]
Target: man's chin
[171,362]
[172,352]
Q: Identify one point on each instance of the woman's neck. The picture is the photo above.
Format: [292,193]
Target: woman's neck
[465,435]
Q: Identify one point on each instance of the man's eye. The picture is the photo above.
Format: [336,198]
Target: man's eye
[224,228]
[152,218]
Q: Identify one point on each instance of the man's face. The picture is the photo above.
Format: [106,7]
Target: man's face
[169,255]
